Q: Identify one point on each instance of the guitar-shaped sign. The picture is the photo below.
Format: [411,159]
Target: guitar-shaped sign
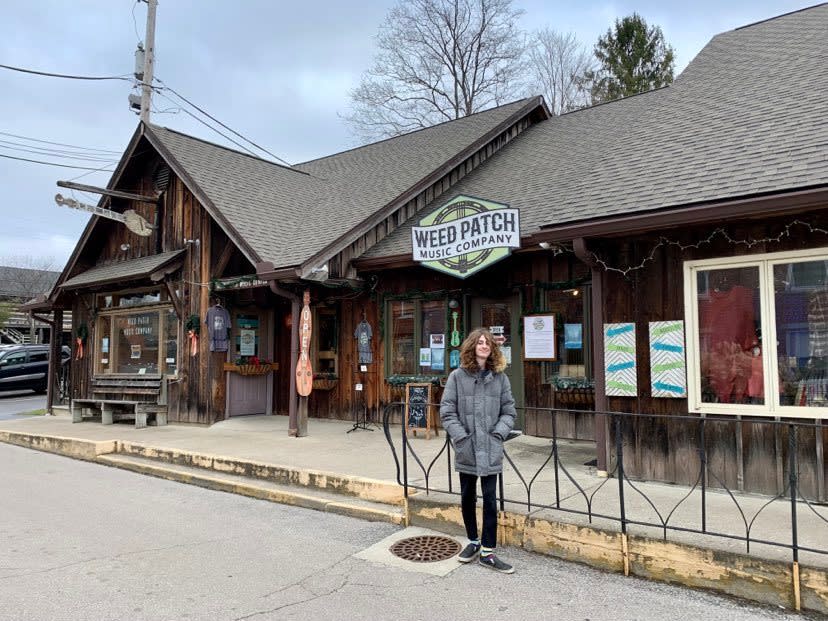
[133,221]
[304,371]
[455,333]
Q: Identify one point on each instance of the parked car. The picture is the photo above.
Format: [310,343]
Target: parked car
[27,366]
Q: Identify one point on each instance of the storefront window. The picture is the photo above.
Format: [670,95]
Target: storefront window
[572,346]
[143,341]
[326,342]
[402,357]
[758,334]
[432,337]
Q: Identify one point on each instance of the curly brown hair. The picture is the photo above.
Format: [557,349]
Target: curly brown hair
[496,362]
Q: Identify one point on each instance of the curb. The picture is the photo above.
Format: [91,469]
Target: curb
[296,499]
[88,450]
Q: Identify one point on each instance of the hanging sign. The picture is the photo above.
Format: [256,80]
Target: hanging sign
[131,219]
[304,371]
[466,235]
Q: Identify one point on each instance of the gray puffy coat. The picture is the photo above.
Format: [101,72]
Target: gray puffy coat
[477,414]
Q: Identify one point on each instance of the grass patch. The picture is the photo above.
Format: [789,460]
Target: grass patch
[33,413]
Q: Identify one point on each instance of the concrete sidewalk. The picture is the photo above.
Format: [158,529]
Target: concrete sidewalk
[362,454]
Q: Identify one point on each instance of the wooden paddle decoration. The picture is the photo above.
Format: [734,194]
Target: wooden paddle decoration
[455,333]
[304,371]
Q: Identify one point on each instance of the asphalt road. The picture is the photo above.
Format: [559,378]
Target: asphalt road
[14,402]
[83,541]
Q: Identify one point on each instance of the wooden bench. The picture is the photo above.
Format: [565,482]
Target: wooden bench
[125,398]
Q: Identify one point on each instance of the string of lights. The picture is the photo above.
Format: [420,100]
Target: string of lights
[749,242]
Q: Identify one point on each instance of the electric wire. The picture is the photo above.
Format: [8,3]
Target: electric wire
[49,153]
[23,159]
[67,76]
[59,144]
[211,117]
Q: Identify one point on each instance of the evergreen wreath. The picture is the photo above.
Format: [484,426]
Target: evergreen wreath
[193,324]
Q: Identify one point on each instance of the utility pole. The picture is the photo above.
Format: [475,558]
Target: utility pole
[149,60]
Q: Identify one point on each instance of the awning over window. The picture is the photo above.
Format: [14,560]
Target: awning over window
[153,267]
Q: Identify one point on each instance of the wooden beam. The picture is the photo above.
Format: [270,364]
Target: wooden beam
[177,304]
[116,193]
[224,259]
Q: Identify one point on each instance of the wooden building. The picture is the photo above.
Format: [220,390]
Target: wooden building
[637,211]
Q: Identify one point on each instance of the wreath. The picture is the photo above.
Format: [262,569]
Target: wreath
[193,324]
[82,332]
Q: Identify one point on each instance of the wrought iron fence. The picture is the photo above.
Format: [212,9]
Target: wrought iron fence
[430,473]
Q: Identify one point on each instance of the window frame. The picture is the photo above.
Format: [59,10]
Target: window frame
[765,263]
[162,309]
[388,334]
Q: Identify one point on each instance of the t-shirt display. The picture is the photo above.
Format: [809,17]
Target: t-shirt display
[218,327]
[363,334]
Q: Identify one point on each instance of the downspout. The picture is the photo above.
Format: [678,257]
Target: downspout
[295,309]
[579,245]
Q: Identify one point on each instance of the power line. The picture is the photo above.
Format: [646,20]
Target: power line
[208,115]
[59,144]
[23,159]
[65,75]
[23,148]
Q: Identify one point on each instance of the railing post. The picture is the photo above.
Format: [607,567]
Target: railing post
[555,457]
[500,485]
[703,466]
[619,456]
[405,459]
[793,477]
[448,461]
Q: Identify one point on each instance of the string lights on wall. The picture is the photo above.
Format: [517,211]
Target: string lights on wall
[720,232]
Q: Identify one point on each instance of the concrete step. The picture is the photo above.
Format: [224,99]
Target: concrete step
[309,498]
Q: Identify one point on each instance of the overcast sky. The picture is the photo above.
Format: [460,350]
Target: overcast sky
[277,72]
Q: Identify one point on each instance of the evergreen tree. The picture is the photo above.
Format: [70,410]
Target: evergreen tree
[634,58]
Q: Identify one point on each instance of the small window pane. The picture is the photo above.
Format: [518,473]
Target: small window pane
[730,338]
[402,338]
[38,356]
[104,354]
[433,336]
[171,342]
[136,343]
[801,299]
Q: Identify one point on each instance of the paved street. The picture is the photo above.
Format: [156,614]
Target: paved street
[14,402]
[82,541]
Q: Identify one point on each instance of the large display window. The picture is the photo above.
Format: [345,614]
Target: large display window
[417,343]
[757,336]
[136,338]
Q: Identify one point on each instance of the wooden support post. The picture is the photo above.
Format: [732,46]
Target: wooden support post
[77,413]
[302,418]
[625,551]
[796,592]
[161,417]
[106,414]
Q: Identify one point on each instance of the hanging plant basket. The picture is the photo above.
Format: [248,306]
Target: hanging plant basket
[250,369]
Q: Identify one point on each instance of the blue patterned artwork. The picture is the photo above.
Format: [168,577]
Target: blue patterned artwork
[619,359]
[668,372]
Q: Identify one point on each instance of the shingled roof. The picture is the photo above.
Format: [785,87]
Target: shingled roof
[286,215]
[746,117]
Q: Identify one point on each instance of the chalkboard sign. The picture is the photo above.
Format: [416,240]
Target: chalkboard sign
[417,408]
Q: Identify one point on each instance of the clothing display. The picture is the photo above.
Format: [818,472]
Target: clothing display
[218,327]
[727,321]
[818,324]
[363,334]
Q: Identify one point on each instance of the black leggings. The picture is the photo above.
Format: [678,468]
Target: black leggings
[468,494]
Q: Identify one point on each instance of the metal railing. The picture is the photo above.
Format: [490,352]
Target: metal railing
[429,473]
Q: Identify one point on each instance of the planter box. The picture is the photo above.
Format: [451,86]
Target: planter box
[250,369]
[324,384]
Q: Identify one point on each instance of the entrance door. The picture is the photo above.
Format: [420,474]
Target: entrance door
[250,336]
[501,317]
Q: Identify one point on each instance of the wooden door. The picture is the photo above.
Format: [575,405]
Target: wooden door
[250,336]
[502,316]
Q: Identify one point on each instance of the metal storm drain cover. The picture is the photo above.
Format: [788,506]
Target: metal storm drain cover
[425,548]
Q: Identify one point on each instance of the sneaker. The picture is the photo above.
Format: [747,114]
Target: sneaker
[495,563]
[469,553]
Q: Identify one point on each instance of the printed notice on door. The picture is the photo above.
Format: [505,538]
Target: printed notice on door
[539,337]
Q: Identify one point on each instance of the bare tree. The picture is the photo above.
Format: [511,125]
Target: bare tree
[558,66]
[25,277]
[438,60]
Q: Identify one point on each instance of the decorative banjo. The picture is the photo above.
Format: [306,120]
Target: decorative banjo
[304,371]
[131,219]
